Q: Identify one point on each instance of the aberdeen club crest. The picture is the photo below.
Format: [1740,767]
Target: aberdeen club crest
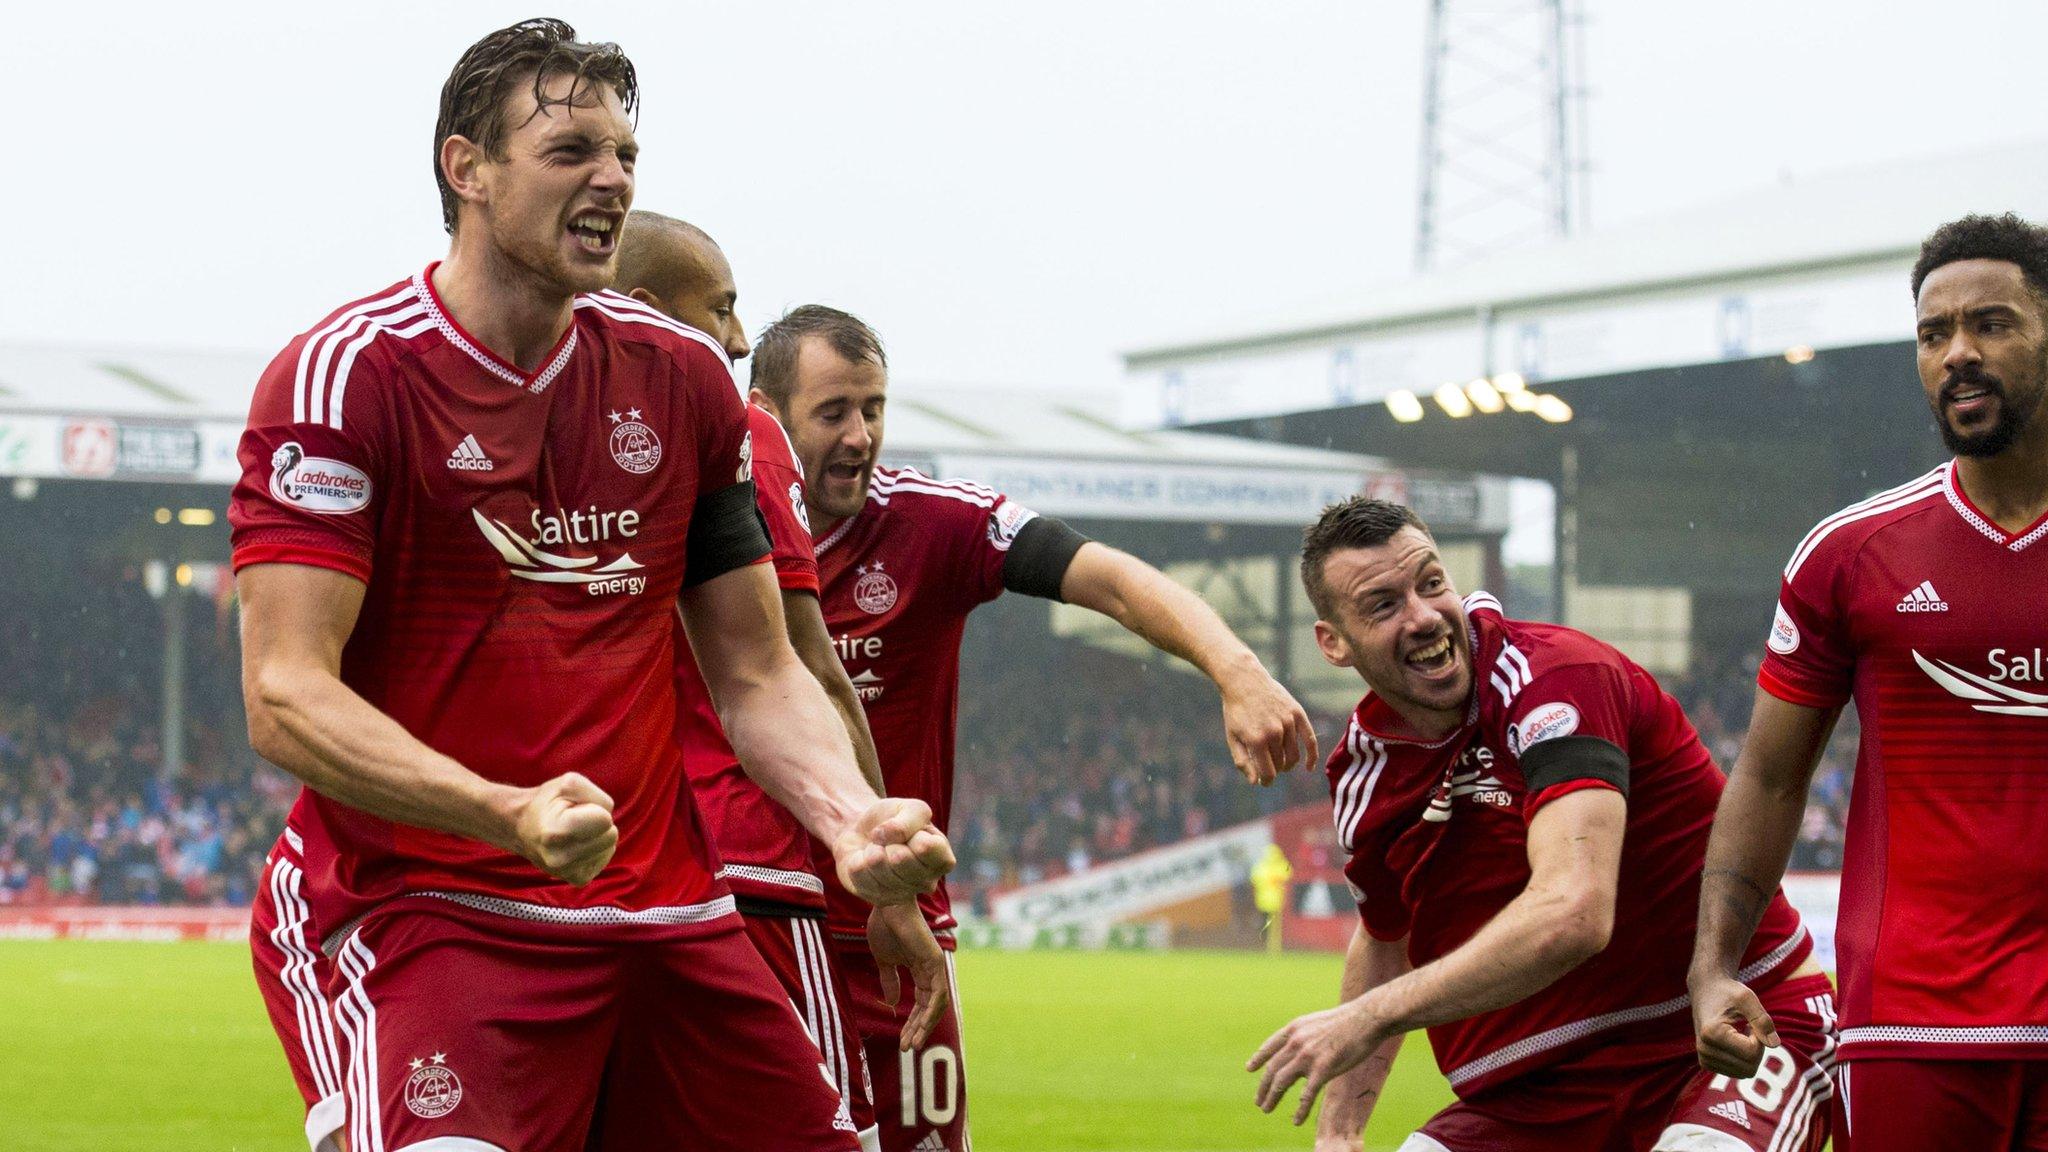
[634,445]
[875,591]
[433,1090]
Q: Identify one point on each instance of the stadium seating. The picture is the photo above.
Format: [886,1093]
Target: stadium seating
[1069,758]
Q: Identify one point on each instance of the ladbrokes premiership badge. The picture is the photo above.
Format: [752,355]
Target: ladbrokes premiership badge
[634,445]
[433,1090]
[875,591]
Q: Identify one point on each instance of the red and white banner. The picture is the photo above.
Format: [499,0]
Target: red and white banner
[119,923]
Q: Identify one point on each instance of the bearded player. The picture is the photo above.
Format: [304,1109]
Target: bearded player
[676,268]
[1526,813]
[902,560]
[1923,604]
[469,507]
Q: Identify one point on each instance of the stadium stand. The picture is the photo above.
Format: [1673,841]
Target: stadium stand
[87,812]
[1071,757]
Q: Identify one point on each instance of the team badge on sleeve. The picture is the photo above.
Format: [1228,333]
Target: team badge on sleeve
[796,504]
[745,471]
[1003,526]
[1545,722]
[1784,634]
[316,483]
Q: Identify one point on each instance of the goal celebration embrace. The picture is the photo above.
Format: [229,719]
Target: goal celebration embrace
[705,622]
[593,794]
[591,797]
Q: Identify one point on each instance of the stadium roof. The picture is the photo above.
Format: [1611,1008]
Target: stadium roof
[112,380]
[1827,254]
[111,412]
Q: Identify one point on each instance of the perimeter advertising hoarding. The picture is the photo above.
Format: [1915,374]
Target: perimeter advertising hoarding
[1222,493]
[99,448]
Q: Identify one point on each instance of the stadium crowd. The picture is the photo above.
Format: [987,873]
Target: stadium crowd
[1111,756]
[87,813]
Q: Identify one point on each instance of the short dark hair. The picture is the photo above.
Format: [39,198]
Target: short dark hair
[473,99]
[2005,237]
[645,261]
[775,350]
[1360,522]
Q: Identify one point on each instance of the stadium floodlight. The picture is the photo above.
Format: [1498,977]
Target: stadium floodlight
[1451,399]
[1798,354]
[184,575]
[1509,383]
[1483,396]
[163,515]
[195,517]
[1553,408]
[1522,401]
[1404,406]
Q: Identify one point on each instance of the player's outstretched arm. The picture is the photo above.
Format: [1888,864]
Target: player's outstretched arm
[1754,828]
[1561,919]
[295,621]
[795,747]
[1268,732]
[1348,1104]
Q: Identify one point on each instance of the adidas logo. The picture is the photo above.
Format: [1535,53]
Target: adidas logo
[931,1143]
[469,457]
[1732,1111]
[1923,599]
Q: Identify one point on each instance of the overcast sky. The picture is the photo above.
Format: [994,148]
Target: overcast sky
[1010,197]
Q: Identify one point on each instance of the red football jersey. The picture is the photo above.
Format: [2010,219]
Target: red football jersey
[1914,604]
[1438,837]
[766,852]
[899,578]
[522,539]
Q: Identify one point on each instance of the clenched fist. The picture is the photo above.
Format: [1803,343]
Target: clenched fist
[565,828]
[892,853]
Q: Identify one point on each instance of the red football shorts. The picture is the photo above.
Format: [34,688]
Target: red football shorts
[919,1096]
[795,950]
[1612,1100]
[292,976]
[490,1030]
[1908,1105]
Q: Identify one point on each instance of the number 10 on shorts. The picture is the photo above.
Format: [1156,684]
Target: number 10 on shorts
[930,1086]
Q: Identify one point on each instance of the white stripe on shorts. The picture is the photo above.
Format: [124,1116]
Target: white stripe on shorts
[1794,1120]
[309,1001]
[959,1049]
[833,1038]
[359,1020]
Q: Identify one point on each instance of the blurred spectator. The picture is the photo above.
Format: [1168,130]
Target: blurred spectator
[1717,695]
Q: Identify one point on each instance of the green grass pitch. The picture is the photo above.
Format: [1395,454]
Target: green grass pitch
[164,1048]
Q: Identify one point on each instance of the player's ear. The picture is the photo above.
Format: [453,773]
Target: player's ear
[649,299]
[764,400]
[460,161]
[1335,649]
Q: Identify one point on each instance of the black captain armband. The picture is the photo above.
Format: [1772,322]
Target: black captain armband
[725,533]
[1039,557]
[1563,759]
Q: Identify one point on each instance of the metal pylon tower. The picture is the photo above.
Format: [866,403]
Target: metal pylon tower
[1503,128]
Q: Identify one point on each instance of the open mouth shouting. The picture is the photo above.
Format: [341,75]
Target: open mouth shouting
[596,232]
[846,471]
[1435,662]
